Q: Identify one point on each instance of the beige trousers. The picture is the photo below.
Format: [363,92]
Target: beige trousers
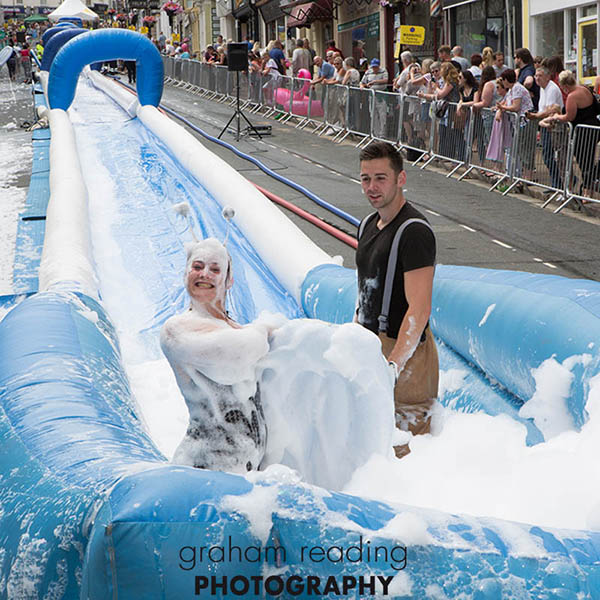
[416,389]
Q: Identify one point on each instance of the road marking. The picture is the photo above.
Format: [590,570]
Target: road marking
[432,212]
[502,244]
[272,146]
[320,166]
[538,259]
[468,228]
[284,150]
[550,265]
[355,180]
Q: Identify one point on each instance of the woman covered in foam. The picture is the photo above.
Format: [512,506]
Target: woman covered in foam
[214,361]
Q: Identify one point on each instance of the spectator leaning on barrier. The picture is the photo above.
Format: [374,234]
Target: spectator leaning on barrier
[352,76]
[518,100]
[437,81]
[551,101]
[581,108]
[486,96]
[524,62]
[376,77]
[447,140]
[406,338]
[326,70]
[457,55]
[400,83]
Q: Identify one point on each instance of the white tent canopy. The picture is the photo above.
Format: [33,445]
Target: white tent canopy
[73,8]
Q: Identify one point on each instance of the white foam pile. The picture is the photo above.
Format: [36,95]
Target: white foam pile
[15,157]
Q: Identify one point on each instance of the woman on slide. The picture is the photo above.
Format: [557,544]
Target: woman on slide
[214,360]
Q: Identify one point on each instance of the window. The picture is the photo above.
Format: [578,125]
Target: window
[571,54]
[549,28]
[589,11]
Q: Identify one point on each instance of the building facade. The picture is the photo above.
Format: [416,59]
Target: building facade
[566,28]
[476,24]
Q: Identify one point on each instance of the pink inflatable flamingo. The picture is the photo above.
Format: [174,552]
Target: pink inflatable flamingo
[300,99]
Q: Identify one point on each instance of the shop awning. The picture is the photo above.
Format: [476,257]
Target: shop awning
[304,14]
[454,3]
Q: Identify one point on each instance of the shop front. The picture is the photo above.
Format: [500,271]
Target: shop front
[417,14]
[475,24]
[246,19]
[570,32]
[359,32]
[274,19]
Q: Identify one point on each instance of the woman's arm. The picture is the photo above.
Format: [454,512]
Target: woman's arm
[570,110]
[438,95]
[223,354]
[514,107]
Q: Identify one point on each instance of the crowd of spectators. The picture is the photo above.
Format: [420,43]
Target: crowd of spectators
[535,96]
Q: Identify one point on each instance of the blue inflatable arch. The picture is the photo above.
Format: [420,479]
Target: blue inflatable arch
[103,45]
[56,42]
[49,33]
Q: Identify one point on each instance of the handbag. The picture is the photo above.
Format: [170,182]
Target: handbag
[440,108]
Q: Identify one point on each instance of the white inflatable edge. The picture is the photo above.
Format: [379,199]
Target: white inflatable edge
[67,253]
[44,81]
[121,96]
[285,249]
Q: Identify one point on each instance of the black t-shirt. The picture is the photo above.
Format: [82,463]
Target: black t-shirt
[416,250]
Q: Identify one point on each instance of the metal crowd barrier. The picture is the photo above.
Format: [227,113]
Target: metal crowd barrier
[583,168]
[386,116]
[561,160]
[491,144]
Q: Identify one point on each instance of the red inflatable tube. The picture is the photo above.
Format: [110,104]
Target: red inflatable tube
[330,229]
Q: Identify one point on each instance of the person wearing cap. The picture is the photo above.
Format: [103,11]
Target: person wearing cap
[376,78]
[214,360]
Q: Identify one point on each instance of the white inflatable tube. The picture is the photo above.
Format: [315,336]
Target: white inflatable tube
[121,96]
[288,252]
[66,255]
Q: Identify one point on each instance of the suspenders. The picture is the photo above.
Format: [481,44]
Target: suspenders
[391,266]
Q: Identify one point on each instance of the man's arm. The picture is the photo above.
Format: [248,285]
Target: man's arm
[529,81]
[418,286]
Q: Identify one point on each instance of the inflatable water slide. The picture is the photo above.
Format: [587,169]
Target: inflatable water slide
[91,508]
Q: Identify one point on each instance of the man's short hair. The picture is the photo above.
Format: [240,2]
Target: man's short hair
[380,149]
[444,50]
[545,70]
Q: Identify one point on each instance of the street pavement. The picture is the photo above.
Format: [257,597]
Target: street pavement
[473,226]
